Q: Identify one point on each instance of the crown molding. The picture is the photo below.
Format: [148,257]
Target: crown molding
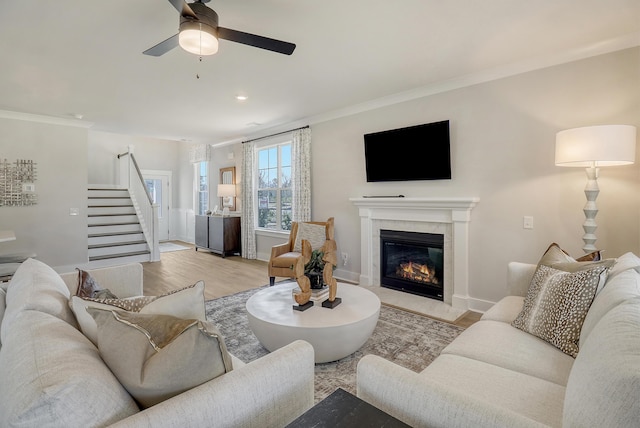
[50,120]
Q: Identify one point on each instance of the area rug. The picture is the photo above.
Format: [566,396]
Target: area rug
[409,340]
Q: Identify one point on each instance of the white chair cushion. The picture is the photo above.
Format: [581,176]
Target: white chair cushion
[314,233]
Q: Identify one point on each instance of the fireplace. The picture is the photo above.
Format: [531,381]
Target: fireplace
[412,262]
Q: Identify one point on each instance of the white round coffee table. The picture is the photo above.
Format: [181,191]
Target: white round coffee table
[333,333]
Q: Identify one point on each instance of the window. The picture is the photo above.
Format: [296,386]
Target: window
[202,187]
[274,187]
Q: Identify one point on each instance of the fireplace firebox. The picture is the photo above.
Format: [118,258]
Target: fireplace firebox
[412,262]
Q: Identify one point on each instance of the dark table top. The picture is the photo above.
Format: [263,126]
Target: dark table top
[341,410]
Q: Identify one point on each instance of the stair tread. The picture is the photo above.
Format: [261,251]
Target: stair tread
[108,197]
[115,256]
[114,224]
[110,206]
[104,235]
[116,244]
[110,214]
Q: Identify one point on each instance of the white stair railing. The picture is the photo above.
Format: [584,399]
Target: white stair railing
[147,211]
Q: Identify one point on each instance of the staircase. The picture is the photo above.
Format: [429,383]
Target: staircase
[115,233]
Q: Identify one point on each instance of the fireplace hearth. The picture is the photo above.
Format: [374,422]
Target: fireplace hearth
[412,262]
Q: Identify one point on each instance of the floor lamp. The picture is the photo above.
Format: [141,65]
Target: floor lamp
[593,147]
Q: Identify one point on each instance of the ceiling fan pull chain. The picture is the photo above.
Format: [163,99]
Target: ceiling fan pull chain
[198,74]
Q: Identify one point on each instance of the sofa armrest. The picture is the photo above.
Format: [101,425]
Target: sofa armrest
[269,392]
[519,277]
[419,402]
[123,280]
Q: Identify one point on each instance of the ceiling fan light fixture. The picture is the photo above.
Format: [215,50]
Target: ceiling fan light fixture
[197,38]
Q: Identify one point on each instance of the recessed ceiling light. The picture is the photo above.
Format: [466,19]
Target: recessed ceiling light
[241,97]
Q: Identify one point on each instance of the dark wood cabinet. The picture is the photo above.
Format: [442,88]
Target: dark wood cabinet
[218,234]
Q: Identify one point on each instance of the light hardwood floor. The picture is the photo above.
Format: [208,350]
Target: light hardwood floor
[222,276]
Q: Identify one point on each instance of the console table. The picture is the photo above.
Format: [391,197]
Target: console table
[218,234]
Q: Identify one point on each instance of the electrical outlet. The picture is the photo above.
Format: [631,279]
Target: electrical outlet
[527,222]
[345,259]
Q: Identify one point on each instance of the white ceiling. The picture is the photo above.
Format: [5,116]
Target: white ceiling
[65,57]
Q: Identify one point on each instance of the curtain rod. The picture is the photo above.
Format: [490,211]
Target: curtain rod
[274,135]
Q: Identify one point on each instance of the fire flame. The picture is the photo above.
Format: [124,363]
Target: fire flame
[417,272]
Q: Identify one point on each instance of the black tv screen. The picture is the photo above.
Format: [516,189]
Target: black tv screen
[420,152]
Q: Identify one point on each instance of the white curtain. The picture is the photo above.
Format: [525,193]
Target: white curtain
[248,199]
[199,153]
[301,174]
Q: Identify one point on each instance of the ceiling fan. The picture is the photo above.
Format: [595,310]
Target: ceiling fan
[199,33]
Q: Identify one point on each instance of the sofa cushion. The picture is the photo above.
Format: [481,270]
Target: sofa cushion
[532,397]
[185,303]
[604,385]
[500,344]
[506,310]
[622,287]
[623,263]
[35,286]
[53,376]
[159,356]
[557,303]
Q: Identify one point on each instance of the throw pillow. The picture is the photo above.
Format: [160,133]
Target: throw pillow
[185,303]
[88,287]
[156,357]
[557,303]
[316,234]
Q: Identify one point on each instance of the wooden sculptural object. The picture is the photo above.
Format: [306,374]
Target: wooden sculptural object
[330,259]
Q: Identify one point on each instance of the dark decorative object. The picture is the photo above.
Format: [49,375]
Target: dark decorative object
[314,269]
[303,307]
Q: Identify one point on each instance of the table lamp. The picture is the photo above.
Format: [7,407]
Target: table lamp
[593,147]
[226,191]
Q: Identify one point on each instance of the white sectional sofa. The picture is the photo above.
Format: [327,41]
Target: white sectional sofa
[52,375]
[495,375]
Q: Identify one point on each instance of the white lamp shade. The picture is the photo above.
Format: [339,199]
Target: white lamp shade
[596,146]
[197,38]
[226,190]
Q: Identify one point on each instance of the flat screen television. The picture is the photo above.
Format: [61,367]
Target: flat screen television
[420,152]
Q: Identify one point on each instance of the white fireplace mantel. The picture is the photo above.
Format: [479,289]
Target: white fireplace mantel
[399,213]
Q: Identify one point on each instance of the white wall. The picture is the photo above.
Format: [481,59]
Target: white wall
[503,139]
[47,229]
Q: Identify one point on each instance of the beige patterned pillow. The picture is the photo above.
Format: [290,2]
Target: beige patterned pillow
[156,357]
[187,302]
[557,303]
[316,234]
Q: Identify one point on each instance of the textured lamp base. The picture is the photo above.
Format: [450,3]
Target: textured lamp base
[590,210]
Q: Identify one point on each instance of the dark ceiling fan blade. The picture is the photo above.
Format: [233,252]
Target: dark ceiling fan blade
[184,9]
[163,47]
[256,41]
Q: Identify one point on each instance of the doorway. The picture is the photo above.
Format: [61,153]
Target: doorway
[158,184]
